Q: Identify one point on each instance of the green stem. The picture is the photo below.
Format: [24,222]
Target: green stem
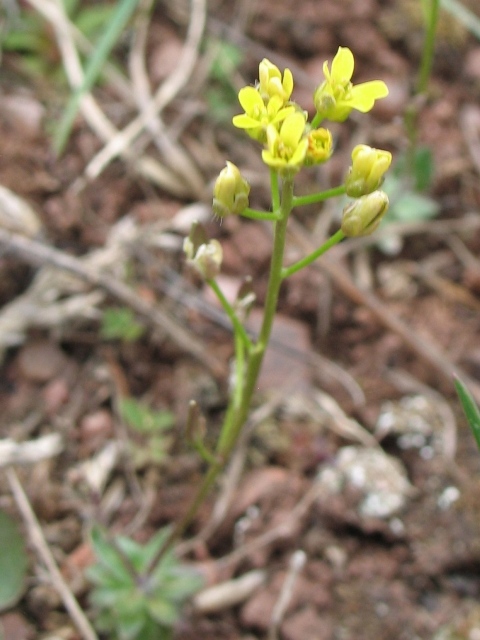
[239,370]
[229,310]
[259,215]
[428,47]
[239,404]
[411,113]
[230,432]
[299,201]
[304,262]
[274,188]
[317,118]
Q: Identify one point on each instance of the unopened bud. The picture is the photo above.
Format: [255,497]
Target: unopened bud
[367,171]
[230,193]
[205,256]
[320,146]
[272,83]
[363,216]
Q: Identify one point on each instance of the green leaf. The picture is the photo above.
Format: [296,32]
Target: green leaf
[419,172]
[109,557]
[153,545]
[182,583]
[423,168]
[226,61]
[13,562]
[107,596]
[91,20]
[130,627]
[132,550]
[141,418]
[162,611]
[470,408]
[120,324]
[412,207]
[116,25]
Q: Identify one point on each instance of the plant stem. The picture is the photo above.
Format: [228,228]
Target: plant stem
[240,399]
[253,214]
[275,190]
[230,311]
[317,118]
[304,262]
[428,47]
[411,113]
[299,201]
[230,433]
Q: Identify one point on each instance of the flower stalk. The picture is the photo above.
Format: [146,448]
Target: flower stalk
[289,145]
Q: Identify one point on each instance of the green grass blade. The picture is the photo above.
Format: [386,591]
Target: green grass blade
[461,13]
[93,69]
[470,408]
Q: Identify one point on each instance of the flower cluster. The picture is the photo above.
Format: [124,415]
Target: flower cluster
[281,125]
[290,142]
[274,120]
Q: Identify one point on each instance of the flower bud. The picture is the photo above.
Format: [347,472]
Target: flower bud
[367,171]
[320,146]
[205,256]
[272,83]
[230,193]
[361,217]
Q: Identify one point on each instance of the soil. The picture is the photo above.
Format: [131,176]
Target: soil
[360,467]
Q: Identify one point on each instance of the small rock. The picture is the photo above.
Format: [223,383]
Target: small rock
[24,112]
[55,394]
[95,428]
[377,481]
[41,361]
[307,623]
[258,485]
[257,612]
[13,626]
[472,64]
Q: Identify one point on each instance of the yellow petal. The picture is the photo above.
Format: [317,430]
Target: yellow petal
[363,95]
[287,83]
[249,98]
[243,121]
[292,129]
[342,66]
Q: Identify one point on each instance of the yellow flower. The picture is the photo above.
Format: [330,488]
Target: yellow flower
[367,171]
[336,97]
[230,193]
[320,146]
[361,217]
[271,81]
[287,147]
[258,114]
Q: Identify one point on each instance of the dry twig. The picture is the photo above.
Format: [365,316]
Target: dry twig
[146,166]
[40,545]
[92,271]
[120,143]
[12,452]
[297,562]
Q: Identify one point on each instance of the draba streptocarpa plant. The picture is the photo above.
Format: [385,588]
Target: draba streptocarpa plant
[139,591]
[132,600]
[289,144]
